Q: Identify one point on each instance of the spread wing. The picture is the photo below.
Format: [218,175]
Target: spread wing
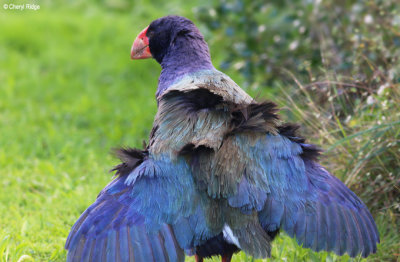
[133,218]
[291,191]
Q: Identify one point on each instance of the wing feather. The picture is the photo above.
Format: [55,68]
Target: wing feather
[115,228]
[303,198]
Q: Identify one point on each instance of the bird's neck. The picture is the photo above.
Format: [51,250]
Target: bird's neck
[184,57]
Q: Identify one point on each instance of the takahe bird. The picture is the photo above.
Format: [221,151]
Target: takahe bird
[221,173]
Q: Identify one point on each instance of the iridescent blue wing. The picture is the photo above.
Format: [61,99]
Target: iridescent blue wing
[291,191]
[135,216]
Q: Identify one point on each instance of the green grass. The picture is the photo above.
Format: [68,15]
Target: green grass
[68,94]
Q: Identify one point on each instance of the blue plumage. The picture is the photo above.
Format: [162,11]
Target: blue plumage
[119,226]
[221,174]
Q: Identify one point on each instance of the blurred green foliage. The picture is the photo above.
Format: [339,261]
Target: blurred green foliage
[69,93]
[348,38]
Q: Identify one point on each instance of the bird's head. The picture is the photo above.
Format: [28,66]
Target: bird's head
[177,45]
[168,35]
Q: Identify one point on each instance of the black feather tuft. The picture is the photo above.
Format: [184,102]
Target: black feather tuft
[196,99]
[131,158]
[191,149]
[216,246]
[187,149]
[310,151]
[290,131]
[258,117]
[273,234]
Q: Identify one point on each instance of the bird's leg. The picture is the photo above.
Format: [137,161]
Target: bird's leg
[227,257]
[198,258]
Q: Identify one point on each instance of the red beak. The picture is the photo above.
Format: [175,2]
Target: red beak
[140,48]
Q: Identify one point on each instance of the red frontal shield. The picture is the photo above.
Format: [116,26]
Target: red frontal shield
[140,48]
